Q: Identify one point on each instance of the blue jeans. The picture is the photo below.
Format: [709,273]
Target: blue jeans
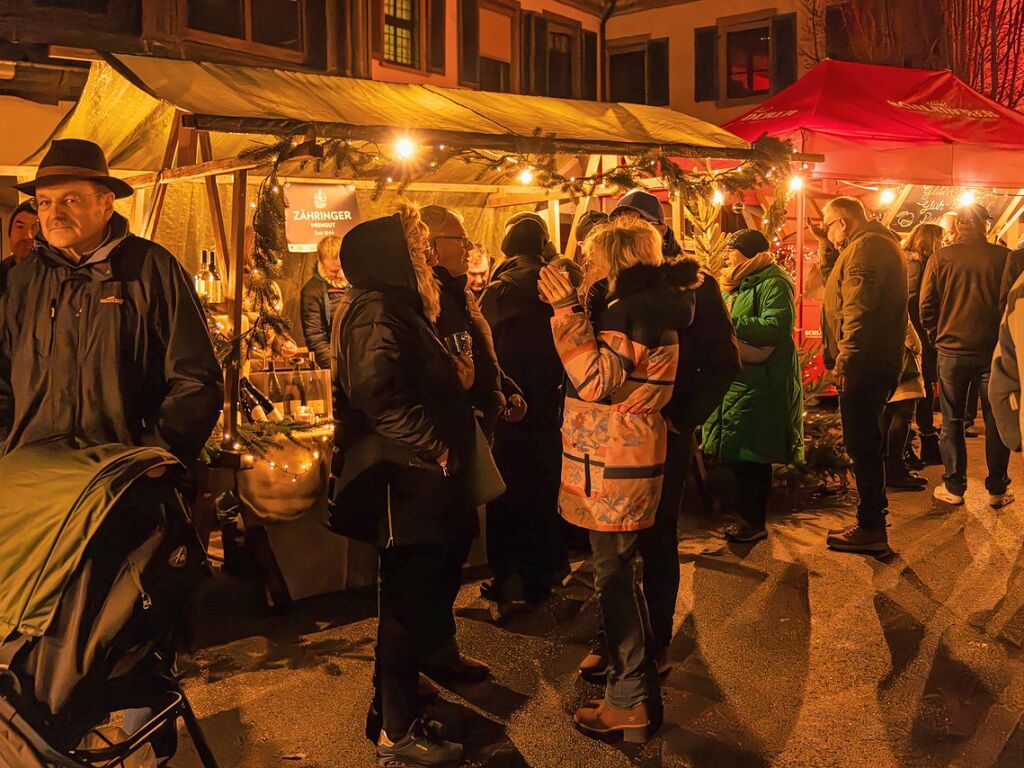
[632,675]
[956,372]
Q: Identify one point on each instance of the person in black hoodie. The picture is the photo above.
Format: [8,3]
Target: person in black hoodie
[404,432]
[320,298]
[523,529]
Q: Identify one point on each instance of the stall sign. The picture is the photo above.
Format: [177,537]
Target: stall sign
[316,211]
[926,204]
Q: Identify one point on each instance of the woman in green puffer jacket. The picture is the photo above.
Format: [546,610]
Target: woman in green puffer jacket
[760,421]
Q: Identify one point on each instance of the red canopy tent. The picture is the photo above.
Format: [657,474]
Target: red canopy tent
[889,124]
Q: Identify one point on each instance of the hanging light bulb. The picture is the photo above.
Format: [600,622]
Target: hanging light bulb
[888,197]
[967,198]
[405,148]
[717,198]
[796,183]
[525,176]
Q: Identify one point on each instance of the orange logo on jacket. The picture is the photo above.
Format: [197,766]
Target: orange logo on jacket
[111,300]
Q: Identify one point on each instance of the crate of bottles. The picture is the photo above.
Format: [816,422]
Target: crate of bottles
[297,391]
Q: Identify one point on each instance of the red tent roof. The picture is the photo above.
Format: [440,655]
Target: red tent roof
[889,124]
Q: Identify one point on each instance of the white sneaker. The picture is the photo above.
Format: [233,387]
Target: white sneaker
[1001,500]
[947,497]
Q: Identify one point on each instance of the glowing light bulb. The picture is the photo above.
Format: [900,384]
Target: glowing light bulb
[888,197]
[390,179]
[796,183]
[967,198]
[717,198]
[525,176]
[405,148]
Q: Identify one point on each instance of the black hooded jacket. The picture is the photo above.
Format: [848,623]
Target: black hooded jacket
[317,306]
[112,351]
[398,403]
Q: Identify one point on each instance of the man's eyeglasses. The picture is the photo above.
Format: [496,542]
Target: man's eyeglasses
[468,244]
[827,225]
[71,201]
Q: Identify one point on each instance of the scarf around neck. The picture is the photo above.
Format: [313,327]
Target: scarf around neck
[732,277]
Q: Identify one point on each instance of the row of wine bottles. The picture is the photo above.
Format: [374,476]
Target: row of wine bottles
[209,285]
[302,397]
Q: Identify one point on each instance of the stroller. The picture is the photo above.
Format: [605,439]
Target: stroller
[107,654]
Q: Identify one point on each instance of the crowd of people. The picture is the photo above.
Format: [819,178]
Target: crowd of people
[566,396]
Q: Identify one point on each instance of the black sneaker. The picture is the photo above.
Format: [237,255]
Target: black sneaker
[902,479]
[745,533]
[421,747]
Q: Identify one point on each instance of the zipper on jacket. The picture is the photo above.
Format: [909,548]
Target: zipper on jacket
[391,530]
[53,324]
[147,601]
[586,474]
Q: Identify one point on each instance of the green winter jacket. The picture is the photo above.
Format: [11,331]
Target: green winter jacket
[761,417]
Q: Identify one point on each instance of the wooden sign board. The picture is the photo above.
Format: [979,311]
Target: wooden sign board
[926,204]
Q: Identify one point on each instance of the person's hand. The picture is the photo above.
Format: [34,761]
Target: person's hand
[640,402]
[555,288]
[515,410]
[287,349]
[818,230]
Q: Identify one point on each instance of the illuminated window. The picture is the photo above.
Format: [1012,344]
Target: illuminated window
[748,57]
[401,32]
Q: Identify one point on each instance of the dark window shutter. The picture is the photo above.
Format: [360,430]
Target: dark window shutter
[705,71]
[435,40]
[469,42]
[539,56]
[784,54]
[589,65]
[377,28]
[526,43]
[657,72]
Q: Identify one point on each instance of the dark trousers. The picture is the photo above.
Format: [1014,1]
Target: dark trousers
[862,410]
[898,417]
[753,490]
[956,375]
[416,591]
[523,526]
[632,676]
[659,544]
[926,406]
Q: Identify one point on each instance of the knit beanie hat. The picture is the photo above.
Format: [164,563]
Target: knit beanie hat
[749,242]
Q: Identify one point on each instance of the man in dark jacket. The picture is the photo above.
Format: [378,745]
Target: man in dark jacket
[404,433]
[960,308]
[523,525]
[321,296]
[865,299]
[21,231]
[102,339]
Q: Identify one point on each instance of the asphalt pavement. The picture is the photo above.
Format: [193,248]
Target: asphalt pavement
[785,654]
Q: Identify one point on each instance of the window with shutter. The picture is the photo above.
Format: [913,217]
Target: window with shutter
[837,34]
[435,42]
[748,62]
[469,42]
[705,73]
[784,51]
[401,32]
[627,73]
[657,72]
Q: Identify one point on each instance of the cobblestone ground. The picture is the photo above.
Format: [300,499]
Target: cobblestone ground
[786,654]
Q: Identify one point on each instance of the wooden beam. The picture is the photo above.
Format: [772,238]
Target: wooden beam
[238,220]
[156,201]
[554,216]
[220,238]
[582,204]
[1011,213]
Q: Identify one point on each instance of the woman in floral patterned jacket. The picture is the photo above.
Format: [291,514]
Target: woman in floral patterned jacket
[620,368]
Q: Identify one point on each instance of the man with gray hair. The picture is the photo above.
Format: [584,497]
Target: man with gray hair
[960,309]
[863,317]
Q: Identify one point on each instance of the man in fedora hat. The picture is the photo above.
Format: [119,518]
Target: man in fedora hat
[102,338]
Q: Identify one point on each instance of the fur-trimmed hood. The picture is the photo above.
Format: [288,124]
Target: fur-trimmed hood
[683,273]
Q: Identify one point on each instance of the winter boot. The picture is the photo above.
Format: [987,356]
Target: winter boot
[871,541]
[421,747]
[594,667]
[745,533]
[600,720]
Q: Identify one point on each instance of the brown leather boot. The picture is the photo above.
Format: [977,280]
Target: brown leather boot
[600,720]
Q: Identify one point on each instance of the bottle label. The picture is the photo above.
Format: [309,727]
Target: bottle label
[257,413]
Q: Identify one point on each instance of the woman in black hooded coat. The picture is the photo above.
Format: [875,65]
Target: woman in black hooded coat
[403,432]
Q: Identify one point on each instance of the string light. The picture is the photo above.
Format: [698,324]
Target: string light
[525,176]
[717,198]
[796,183]
[888,197]
[967,198]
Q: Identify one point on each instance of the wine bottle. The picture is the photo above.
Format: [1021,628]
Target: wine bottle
[275,391]
[216,284]
[203,277]
[273,414]
[315,390]
[253,410]
[294,393]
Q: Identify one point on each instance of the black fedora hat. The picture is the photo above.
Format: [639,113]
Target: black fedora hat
[75,160]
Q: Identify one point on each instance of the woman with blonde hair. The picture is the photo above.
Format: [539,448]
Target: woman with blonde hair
[614,452]
[920,244]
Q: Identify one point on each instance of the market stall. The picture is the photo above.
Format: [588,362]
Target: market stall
[911,143]
[249,167]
